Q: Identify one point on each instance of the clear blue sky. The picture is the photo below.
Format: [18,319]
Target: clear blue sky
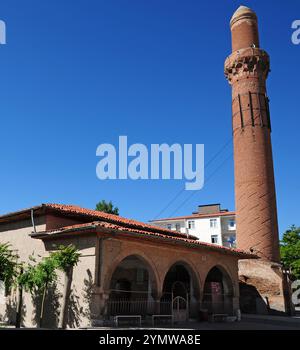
[75,74]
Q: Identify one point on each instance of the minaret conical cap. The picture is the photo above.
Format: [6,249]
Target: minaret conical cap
[243,12]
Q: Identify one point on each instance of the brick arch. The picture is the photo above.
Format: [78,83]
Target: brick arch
[192,270]
[151,268]
[225,271]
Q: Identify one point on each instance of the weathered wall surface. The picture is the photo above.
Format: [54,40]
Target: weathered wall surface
[17,234]
[79,308]
[267,280]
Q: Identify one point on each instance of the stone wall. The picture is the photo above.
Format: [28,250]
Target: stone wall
[262,288]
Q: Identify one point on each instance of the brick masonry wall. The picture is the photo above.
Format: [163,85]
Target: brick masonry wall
[160,257]
[246,70]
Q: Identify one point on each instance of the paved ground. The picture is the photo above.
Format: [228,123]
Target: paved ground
[254,323]
[248,322]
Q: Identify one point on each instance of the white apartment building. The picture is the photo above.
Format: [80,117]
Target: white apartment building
[210,224]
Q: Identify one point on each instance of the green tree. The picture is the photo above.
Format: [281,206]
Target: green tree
[290,250]
[107,207]
[37,279]
[65,259]
[9,271]
[8,265]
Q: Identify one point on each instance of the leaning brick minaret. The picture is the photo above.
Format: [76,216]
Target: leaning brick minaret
[247,70]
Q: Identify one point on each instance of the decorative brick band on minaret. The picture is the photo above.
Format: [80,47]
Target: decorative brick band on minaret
[247,69]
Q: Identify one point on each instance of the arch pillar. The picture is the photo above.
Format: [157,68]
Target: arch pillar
[99,300]
[157,300]
[194,302]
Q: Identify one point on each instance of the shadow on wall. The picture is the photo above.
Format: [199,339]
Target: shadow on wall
[251,301]
[75,312]
[51,309]
[11,311]
[87,294]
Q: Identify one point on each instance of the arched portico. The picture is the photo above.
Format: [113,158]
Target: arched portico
[218,291]
[181,282]
[132,287]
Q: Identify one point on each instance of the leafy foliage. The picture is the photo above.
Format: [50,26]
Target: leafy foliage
[8,264]
[290,250]
[107,207]
[65,257]
[36,277]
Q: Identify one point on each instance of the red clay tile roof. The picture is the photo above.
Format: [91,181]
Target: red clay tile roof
[94,215]
[74,209]
[120,224]
[106,225]
[197,216]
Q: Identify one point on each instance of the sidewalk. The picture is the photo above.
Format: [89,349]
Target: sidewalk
[254,322]
[283,319]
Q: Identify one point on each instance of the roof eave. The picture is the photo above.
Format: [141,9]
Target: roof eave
[98,229]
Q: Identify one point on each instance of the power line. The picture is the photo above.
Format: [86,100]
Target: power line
[209,178]
[219,152]
[171,201]
[205,167]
